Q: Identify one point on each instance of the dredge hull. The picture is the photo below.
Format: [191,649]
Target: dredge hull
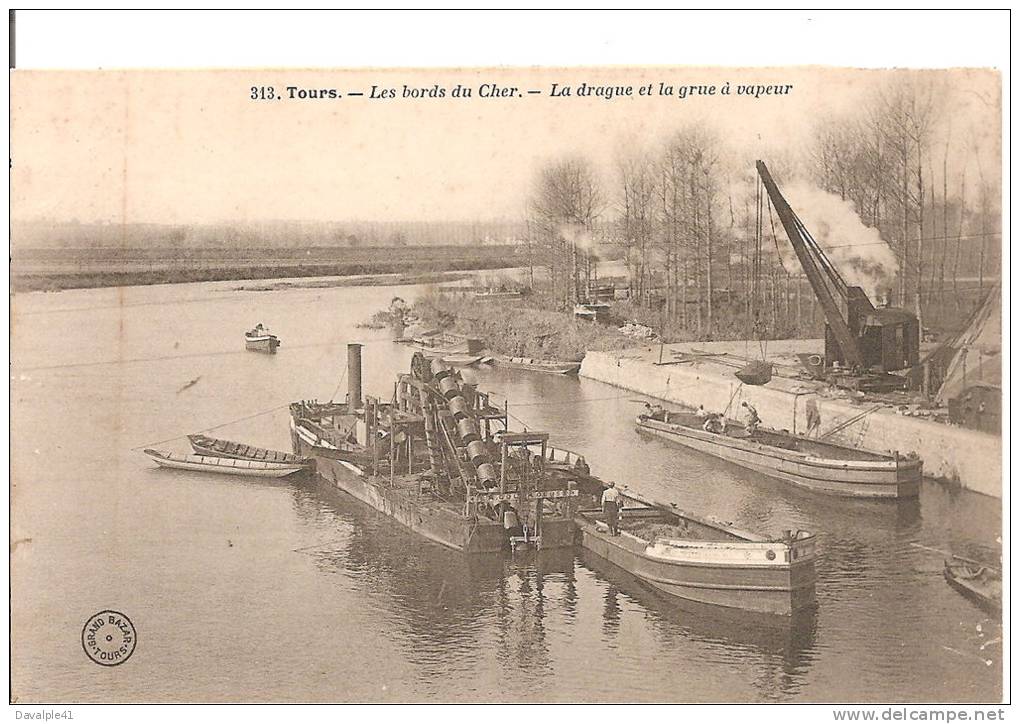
[439,521]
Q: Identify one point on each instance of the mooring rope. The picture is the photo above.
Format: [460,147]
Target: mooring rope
[338,385]
[190,355]
[216,427]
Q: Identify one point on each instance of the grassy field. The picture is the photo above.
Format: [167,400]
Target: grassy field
[52,269]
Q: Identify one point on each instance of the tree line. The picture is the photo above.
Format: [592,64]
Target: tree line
[685,215]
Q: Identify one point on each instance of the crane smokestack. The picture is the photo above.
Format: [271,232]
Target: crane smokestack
[354,375]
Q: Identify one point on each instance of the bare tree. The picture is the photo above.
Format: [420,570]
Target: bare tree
[565,205]
[637,193]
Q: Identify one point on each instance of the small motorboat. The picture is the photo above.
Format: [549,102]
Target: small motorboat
[703,560]
[549,367]
[223,466]
[981,584]
[260,339]
[214,447]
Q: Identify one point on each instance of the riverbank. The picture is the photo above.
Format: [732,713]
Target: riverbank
[518,328]
[690,376]
[56,269]
[362,280]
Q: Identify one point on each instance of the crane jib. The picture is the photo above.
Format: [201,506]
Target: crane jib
[811,258]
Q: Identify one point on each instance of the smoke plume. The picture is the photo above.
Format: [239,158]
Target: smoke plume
[859,252]
[578,236]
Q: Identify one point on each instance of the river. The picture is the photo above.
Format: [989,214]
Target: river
[244,590]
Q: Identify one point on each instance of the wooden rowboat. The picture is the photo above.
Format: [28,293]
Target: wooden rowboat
[819,465]
[461,360]
[223,466]
[703,560]
[981,584]
[551,367]
[214,447]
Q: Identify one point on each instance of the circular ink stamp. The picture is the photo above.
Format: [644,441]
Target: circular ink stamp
[109,638]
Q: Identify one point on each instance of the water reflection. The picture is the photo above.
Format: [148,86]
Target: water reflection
[448,608]
[782,648]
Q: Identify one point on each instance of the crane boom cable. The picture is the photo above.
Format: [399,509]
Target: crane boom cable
[808,256]
[830,269]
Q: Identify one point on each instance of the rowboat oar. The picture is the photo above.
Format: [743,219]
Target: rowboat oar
[953,555]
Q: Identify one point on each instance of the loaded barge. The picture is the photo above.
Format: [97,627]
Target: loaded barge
[703,560]
[438,457]
[818,465]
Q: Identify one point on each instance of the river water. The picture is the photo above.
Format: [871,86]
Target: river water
[244,590]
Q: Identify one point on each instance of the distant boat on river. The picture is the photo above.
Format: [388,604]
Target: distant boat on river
[260,339]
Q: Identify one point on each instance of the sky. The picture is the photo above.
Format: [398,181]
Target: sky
[186,147]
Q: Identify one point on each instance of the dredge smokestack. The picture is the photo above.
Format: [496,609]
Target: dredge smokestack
[354,375]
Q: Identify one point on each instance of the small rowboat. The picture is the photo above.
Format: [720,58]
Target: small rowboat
[550,367]
[818,465]
[703,560]
[981,584]
[260,340]
[224,466]
[213,447]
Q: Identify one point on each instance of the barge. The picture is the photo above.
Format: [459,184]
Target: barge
[529,364]
[438,458]
[704,561]
[817,465]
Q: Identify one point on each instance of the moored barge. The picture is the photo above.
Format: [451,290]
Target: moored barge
[809,463]
[705,561]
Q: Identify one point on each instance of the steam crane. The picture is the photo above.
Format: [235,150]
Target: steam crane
[864,343]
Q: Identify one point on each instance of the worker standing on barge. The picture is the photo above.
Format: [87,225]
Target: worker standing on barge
[611,508]
[752,417]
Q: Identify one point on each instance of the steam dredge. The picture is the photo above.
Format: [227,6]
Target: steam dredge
[439,458]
